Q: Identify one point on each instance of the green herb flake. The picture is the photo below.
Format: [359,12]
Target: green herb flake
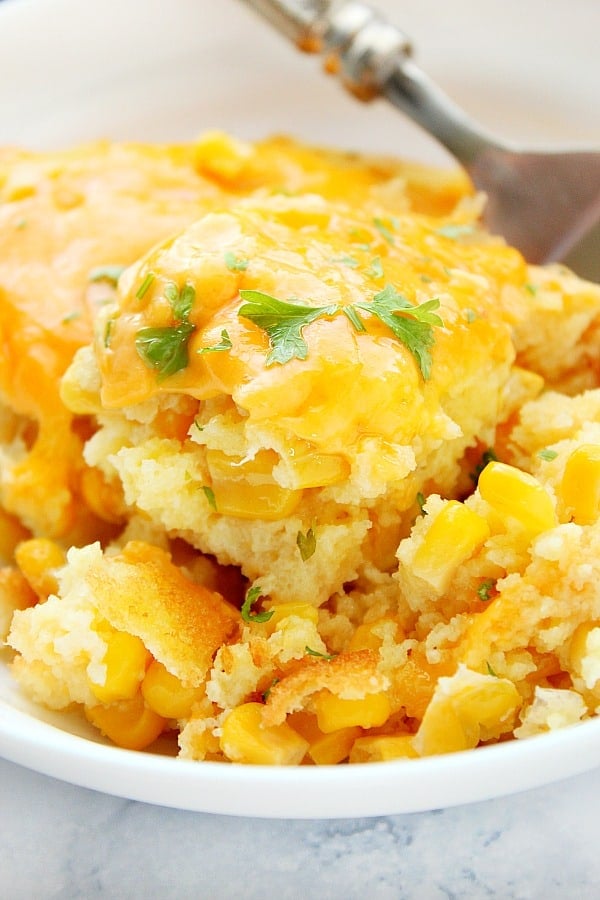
[354,318]
[531,288]
[145,285]
[210,496]
[547,454]
[198,425]
[106,273]
[265,694]
[412,325]
[235,263]
[490,670]
[470,315]
[71,317]
[181,300]
[22,223]
[307,543]
[310,652]
[349,261]
[426,279]
[383,230]
[165,349]
[375,270]
[224,344]
[486,589]
[420,498]
[283,321]
[454,231]
[108,332]
[487,456]
[252,595]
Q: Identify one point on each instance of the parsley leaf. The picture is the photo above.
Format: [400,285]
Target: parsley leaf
[547,454]
[210,496]
[307,543]
[235,263]
[265,694]
[181,301]
[383,230]
[225,344]
[454,231]
[413,325]
[490,670]
[484,591]
[309,652]
[145,285]
[106,273]
[420,498]
[487,456]
[165,349]
[375,270]
[283,321]
[349,261]
[252,595]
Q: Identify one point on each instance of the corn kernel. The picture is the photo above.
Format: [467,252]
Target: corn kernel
[246,488]
[166,695]
[453,537]
[125,660]
[37,559]
[245,739]
[128,723]
[317,470]
[584,653]
[102,498]
[380,748]
[364,638]
[284,610]
[330,749]
[516,495]
[580,486]
[334,713]
[464,710]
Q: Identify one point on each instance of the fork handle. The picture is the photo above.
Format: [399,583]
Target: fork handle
[373,58]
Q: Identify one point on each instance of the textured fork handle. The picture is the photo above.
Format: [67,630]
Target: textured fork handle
[372,57]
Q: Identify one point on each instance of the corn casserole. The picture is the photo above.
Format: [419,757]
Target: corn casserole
[298,464]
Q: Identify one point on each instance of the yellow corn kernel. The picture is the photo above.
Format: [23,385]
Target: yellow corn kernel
[381,748]
[102,498]
[516,495]
[125,660]
[221,156]
[364,638]
[584,653]
[246,488]
[166,695]
[284,610]
[317,470]
[38,558]
[245,739]
[464,710]
[330,749]
[453,537]
[334,713]
[580,486]
[128,723]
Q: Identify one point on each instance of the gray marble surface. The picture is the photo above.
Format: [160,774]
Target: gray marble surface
[59,842]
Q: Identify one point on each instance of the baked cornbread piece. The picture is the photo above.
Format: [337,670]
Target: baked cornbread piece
[305,385]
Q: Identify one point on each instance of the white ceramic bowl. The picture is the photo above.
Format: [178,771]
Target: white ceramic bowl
[169,69]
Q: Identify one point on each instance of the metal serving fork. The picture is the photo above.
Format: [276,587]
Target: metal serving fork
[541,202]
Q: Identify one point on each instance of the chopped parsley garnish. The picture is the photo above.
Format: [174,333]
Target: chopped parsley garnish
[420,498]
[145,285]
[347,261]
[532,288]
[210,496]
[485,589]
[252,595]
[181,301]
[283,321]
[165,349]
[412,325]
[375,270]
[235,263]
[426,279]
[107,273]
[71,317]
[490,670]
[487,456]
[470,315]
[22,223]
[383,230]
[265,694]
[310,652]
[307,543]
[547,454]
[454,231]
[198,425]
[224,344]
[108,332]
